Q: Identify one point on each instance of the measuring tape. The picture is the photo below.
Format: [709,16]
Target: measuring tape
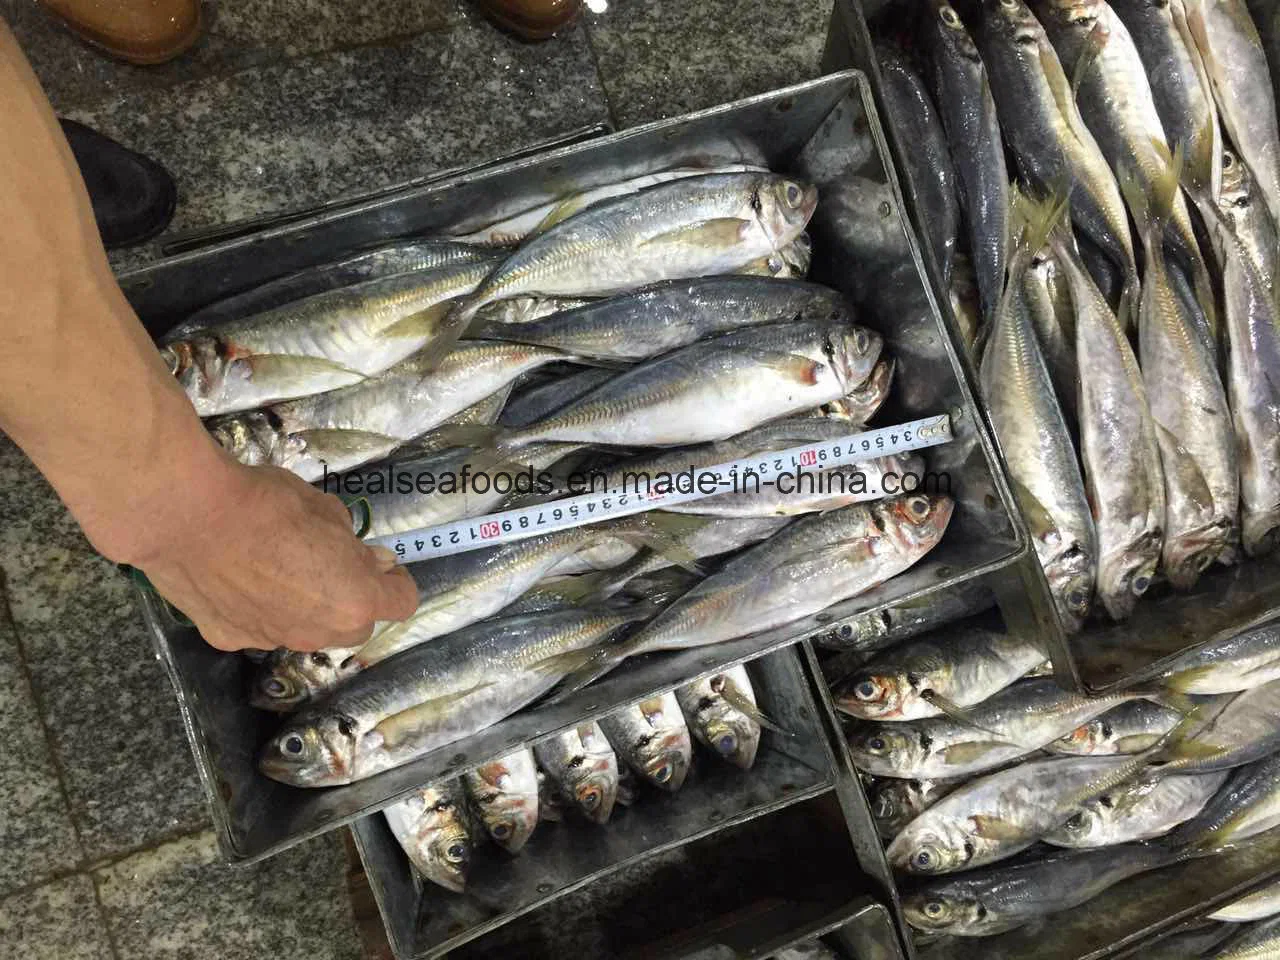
[762,469]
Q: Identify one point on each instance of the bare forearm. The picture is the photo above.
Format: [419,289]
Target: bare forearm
[82,389]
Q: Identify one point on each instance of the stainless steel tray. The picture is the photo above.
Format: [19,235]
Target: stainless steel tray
[425,921]
[1224,603]
[825,130]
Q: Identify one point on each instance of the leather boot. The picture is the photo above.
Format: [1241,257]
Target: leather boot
[532,19]
[133,196]
[140,31]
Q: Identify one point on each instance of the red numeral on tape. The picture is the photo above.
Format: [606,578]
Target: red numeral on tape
[490,529]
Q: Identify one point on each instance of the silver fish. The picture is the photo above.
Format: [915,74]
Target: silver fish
[1037,448]
[675,313]
[716,388]
[535,402]
[1261,941]
[1240,203]
[331,340]
[482,413]
[1012,724]
[711,707]
[289,678]
[1001,814]
[690,227]
[583,768]
[1254,906]
[1053,146]
[652,738]
[504,792]
[963,667]
[1230,731]
[1248,804]
[987,902]
[860,405]
[1229,44]
[433,695]
[434,829]
[1118,444]
[961,87]
[343,429]
[1048,299]
[1127,729]
[1245,660]
[895,803]
[902,622]
[1139,811]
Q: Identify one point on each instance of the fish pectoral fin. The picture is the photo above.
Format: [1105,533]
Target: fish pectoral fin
[1090,50]
[561,211]
[287,368]
[993,828]
[1038,517]
[420,324]
[748,708]
[723,232]
[395,729]
[1193,484]
[972,751]
[326,442]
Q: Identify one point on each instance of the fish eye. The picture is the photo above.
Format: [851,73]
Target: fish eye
[877,745]
[924,859]
[1077,599]
[1241,203]
[663,773]
[861,341]
[293,744]
[934,908]
[275,687]
[1009,4]
[919,507]
[866,690]
[794,195]
[320,658]
[1227,160]
[949,17]
[501,830]
[1140,585]
[727,743]
[1076,822]
[456,853]
[590,798]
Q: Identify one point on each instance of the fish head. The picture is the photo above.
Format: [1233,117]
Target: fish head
[949,31]
[848,350]
[290,678]
[1188,556]
[783,208]
[1071,582]
[931,844]
[1095,739]
[249,437]
[1087,824]
[200,364]
[663,751]
[315,750]
[860,403]
[916,521]
[873,696]
[592,773]
[442,838]
[731,734]
[888,749]
[508,811]
[895,803]
[944,911]
[1013,21]
[1125,575]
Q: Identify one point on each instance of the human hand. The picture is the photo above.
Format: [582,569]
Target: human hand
[275,563]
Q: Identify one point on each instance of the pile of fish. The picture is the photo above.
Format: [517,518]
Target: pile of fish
[1119,296]
[580,774]
[1004,798]
[666,312]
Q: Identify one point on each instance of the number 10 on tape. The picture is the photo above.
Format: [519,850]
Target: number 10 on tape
[576,511]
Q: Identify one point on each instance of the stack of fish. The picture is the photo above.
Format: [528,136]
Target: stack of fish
[582,772]
[1131,371]
[971,761]
[660,312]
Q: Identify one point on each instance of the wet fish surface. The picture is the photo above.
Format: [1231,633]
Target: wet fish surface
[583,768]
[434,829]
[651,736]
[713,708]
[504,793]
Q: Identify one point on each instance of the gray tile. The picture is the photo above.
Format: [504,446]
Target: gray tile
[177,902]
[108,706]
[661,58]
[59,921]
[339,124]
[36,834]
[239,34]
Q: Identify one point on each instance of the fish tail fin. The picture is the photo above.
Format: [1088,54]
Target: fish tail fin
[739,700]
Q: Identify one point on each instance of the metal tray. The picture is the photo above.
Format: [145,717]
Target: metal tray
[1225,602]
[825,130]
[425,921]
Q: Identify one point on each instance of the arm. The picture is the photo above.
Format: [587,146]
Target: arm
[255,557]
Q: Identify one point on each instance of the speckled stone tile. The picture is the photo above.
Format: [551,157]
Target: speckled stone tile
[335,125]
[177,902]
[662,58]
[239,34]
[36,834]
[109,708]
[58,921]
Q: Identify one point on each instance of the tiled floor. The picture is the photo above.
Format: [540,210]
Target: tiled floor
[285,104]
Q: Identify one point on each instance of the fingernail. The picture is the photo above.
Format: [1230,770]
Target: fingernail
[386,558]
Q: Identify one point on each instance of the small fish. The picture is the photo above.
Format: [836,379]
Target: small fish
[533,403]
[1247,804]
[331,340]
[289,678]
[904,621]
[1232,730]
[1240,204]
[715,388]
[963,667]
[1258,905]
[1138,811]
[504,793]
[1127,729]
[895,803]
[583,768]
[983,903]
[996,816]
[692,227]
[434,829]
[652,738]
[1241,662]
[715,718]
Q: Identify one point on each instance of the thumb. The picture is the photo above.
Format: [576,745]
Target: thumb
[384,559]
[395,595]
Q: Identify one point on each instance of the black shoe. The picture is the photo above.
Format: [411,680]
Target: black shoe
[133,196]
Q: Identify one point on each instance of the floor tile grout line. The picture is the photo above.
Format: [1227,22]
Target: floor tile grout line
[107,929]
[595,63]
